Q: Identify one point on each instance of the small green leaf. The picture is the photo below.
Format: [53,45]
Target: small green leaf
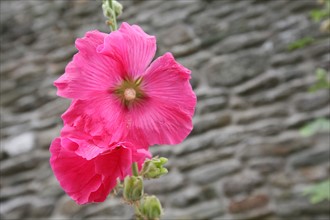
[301,43]
[322,81]
[319,14]
[319,192]
[318,125]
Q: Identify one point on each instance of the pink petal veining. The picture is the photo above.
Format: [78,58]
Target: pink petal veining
[131,47]
[89,73]
[91,178]
[164,116]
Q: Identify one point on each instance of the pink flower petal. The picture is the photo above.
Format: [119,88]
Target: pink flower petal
[103,114]
[89,72]
[89,146]
[166,115]
[130,46]
[167,81]
[103,191]
[73,172]
[163,117]
[91,180]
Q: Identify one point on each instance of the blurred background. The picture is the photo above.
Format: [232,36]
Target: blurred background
[261,135]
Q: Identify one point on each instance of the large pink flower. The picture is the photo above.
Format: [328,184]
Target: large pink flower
[88,167]
[112,83]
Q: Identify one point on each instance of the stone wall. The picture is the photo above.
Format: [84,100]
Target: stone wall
[245,158]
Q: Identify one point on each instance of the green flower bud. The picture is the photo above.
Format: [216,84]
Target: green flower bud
[108,11]
[150,208]
[154,168]
[133,188]
[118,8]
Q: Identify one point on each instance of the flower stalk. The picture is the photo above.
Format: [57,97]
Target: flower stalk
[135,169]
[146,207]
[112,9]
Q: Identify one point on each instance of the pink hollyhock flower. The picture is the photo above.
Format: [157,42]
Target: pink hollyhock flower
[111,82]
[87,167]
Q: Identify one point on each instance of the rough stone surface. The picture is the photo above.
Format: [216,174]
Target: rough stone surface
[241,183]
[245,158]
[249,203]
[19,144]
[211,172]
[221,72]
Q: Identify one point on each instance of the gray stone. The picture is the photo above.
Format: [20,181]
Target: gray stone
[206,210]
[281,180]
[281,145]
[26,103]
[266,165]
[38,124]
[240,42]
[266,127]
[8,67]
[164,19]
[228,137]
[309,158]
[45,137]
[286,59]
[211,105]
[186,197]
[167,183]
[20,144]
[298,120]
[194,144]
[262,212]
[114,208]
[204,93]
[66,206]
[238,103]
[12,96]
[186,49]
[259,24]
[176,34]
[22,163]
[281,92]
[248,203]
[13,191]
[250,116]
[211,172]
[28,72]
[288,22]
[232,70]
[62,54]
[53,108]
[195,61]
[244,182]
[313,173]
[18,207]
[297,205]
[301,6]
[319,49]
[263,82]
[210,121]
[200,158]
[308,102]
[7,86]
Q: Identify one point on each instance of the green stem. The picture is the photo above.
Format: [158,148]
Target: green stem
[135,169]
[113,20]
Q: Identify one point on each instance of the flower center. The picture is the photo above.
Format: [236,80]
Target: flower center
[129,94]
[129,91]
